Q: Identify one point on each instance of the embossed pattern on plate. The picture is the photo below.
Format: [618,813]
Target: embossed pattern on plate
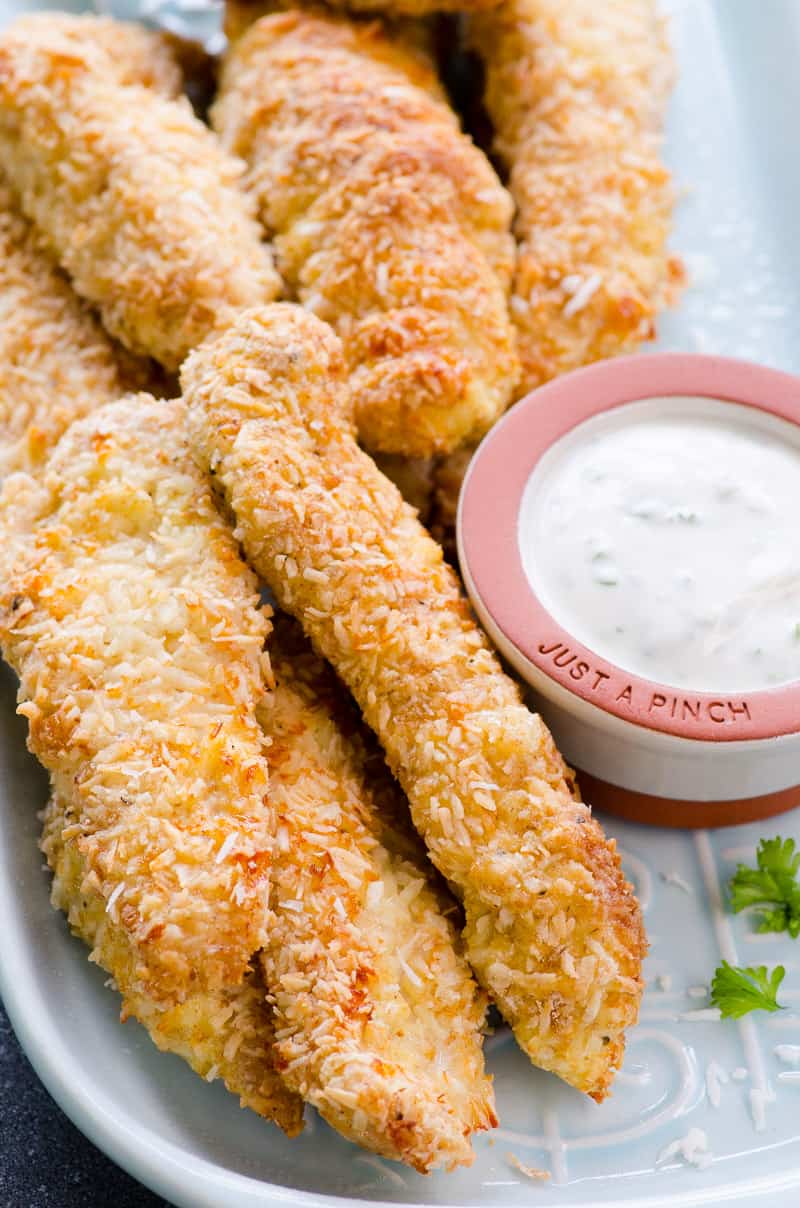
[733,145]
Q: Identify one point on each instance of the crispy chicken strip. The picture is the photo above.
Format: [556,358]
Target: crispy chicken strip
[56,365]
[378,1019]
[56,362]
[226,1033]
[576,93]
[130,192]
[136,633]
[388,221]
[553,929]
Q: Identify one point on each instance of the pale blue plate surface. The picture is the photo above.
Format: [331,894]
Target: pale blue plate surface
[734,145]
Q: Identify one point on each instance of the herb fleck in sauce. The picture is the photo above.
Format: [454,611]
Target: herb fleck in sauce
[666,538]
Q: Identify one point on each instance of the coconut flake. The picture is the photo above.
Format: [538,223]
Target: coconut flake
[582,295]
[530,1172]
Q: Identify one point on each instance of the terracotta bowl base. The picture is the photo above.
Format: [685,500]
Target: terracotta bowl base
[664,811]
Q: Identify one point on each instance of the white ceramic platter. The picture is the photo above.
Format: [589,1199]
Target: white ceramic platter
[734,145]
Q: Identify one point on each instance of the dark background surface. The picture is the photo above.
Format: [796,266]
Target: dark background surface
[44,1161]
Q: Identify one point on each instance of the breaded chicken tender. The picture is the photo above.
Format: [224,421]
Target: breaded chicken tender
[136,633]
[56,362]
[378,1019]
[56,365]
[130,192]
[552,927]
[388,222]
[133,54]
[576,94]
[226,1033]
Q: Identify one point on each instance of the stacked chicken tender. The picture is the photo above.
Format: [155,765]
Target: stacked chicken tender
[388,222]
[223,830]
[129,191]
[552,928]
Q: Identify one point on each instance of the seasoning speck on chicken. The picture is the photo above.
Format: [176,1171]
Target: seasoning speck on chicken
[378,1018]
[553,929]
[130,192]
[137,636]
[388,222]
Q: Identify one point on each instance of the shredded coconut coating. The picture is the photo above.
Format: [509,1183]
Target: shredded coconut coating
[576,93]
[133,54]
[136,633]
[378,1018]
[415,37]
[553,929]
[56,362]
[56,365]
[227,1033]
[131,193]
[388,222]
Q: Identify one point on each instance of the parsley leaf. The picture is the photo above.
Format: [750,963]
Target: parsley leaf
[736,991]
[772,885]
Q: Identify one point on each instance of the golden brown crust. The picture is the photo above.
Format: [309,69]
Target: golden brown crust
[378,1019]
[388,221]
[553,929]
[131,194]
[56,362]
[136,633]
[227,1033]
[576,94]
[414,36]
[132,54]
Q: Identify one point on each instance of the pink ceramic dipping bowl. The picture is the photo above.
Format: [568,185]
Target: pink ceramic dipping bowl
[647,750]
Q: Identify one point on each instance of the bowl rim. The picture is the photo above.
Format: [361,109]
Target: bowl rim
[489,506]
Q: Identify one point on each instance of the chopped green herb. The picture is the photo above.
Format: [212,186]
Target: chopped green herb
[772,886]
[797,632]
[738,991]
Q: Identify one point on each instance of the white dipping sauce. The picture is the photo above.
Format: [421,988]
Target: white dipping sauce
[665,536]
